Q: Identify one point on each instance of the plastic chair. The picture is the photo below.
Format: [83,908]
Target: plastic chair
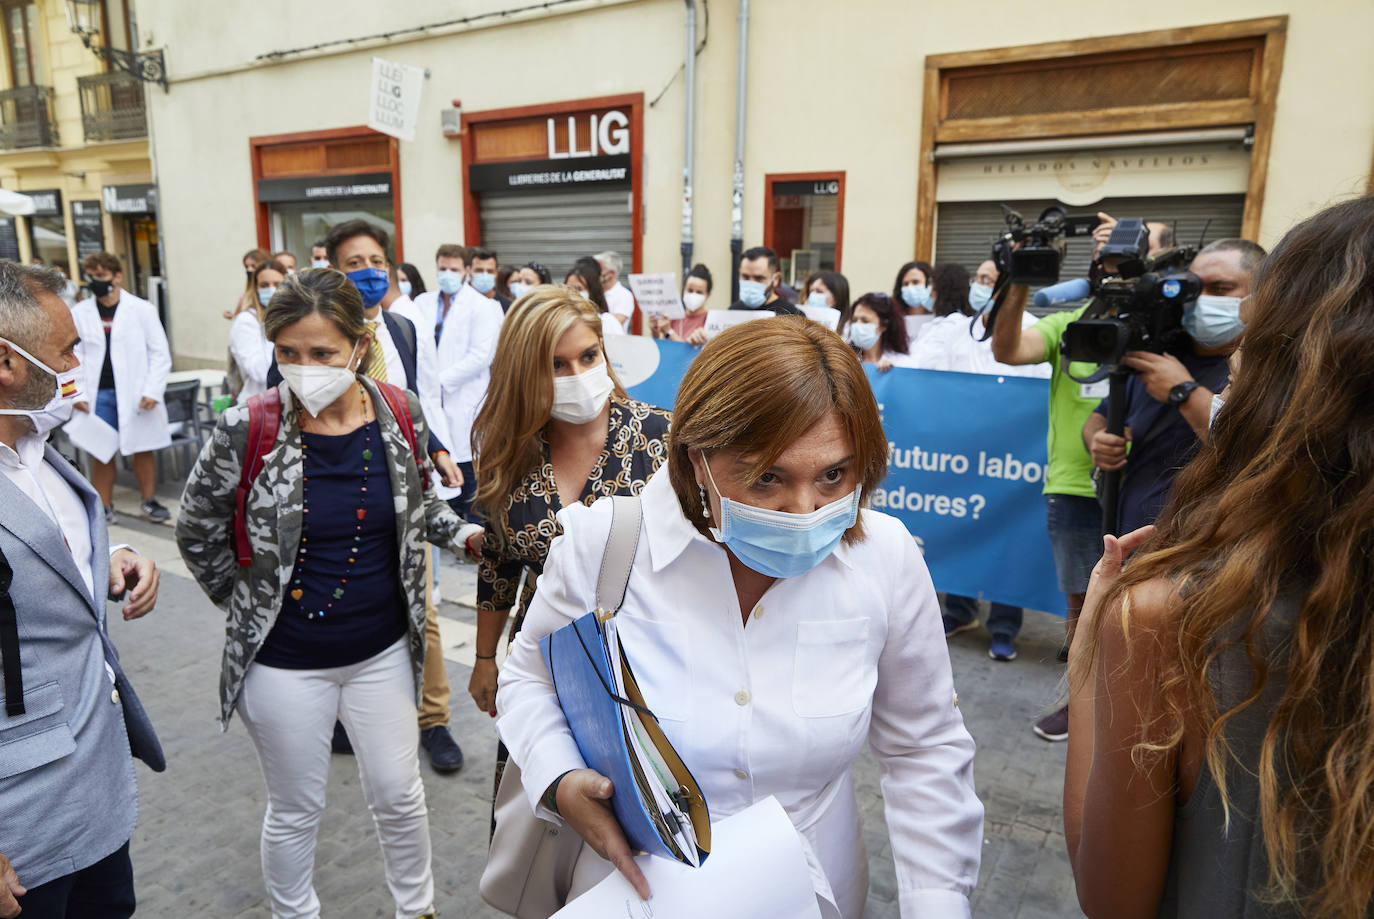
[183,419]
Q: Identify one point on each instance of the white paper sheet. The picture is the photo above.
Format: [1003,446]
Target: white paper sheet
[718,321]
[756,868]
[657,294]
[89,432]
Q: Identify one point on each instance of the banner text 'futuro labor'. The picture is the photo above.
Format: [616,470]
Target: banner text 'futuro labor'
[966,465]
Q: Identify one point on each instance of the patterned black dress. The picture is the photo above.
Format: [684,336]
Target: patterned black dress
[636,445]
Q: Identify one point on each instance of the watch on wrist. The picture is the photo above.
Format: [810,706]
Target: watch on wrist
[1181,392]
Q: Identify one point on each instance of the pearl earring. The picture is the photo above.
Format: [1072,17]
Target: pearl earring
[705,504]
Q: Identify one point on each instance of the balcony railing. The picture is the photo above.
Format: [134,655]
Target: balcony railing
[112,107]
[26,118]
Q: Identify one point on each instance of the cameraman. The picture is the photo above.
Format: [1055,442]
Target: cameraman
[1072,514]
[1169,399]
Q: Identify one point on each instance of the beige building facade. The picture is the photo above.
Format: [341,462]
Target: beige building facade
[875,131]
[74,137]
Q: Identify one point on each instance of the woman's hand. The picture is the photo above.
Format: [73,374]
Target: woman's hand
[584,801]
[884,365]
[1105,573]
[697,338]
[482,685]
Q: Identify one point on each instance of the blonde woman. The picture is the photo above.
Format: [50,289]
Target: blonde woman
[250,353]
[556,429]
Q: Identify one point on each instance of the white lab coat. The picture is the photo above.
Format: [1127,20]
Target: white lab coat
[955,342]
[465,350]
[251,351]
[426,368]
[141,361]
[781,703]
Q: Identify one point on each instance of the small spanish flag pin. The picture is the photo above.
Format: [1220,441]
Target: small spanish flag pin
[68,389]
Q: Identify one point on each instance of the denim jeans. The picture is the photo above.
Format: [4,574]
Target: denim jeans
[1002,619]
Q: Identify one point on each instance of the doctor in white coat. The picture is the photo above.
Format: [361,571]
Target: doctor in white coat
[127,390]
[467,344]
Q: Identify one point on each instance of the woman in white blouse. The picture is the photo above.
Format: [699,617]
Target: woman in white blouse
[249,350]
[773,626]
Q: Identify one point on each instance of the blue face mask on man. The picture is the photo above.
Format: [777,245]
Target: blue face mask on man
[450,282]
[372,283]
[779,544]
[1213,321]
[752,293]
[483,282]
[979,297]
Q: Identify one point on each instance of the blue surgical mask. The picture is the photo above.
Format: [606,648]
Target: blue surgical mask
[405,287]
[818,299]
[372,283]
[1213,321]
[319,263]
[265,295]
[778,544]
[483,282]
[979,297]
[450,282]
[518,290]
[916,296]
[863,335]
[752,293]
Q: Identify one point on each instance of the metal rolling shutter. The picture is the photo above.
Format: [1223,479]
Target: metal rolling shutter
[554,228]
[964,231]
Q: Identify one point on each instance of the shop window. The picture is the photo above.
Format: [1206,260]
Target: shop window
[298,225]
[804,222]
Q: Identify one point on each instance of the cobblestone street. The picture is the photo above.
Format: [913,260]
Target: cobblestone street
[195,851]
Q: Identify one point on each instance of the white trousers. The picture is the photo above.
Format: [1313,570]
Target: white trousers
[290,717]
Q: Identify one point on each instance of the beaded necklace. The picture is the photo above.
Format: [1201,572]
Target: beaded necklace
[297,592]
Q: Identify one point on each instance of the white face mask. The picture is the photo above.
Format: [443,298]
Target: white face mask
[317,386]
[58,411]
[319,263]
[580,398]
[693,302]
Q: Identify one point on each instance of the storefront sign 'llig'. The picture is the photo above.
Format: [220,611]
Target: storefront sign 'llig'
[394,107]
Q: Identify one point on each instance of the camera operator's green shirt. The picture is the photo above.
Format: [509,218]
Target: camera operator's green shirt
[1071,402]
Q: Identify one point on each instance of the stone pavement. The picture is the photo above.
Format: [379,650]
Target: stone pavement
[195,851]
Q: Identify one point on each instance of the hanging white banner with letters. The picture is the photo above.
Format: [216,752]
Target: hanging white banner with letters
[394,105]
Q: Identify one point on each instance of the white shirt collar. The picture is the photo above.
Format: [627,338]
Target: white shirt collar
[28,455]
[670,532]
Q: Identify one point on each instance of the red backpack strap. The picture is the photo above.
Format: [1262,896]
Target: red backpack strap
[400,410]
[264,420]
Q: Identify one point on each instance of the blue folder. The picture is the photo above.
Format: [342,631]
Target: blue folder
[579,663]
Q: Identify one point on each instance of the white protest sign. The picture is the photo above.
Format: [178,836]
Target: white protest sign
[394,103]
[718,321]
[827,316]
[657,294]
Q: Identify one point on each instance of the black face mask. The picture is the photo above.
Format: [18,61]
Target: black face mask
[100,288]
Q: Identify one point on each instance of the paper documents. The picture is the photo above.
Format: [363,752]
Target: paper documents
[91,433]
[718,321]
[827,316]
[757,868]
[657,294]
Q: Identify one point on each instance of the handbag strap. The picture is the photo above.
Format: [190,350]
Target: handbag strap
[627,514]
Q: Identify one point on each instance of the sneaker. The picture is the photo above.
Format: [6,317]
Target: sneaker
[465,533]
[1054,726]
[111,518]
[340,742]
[154,511]
[1002,647]
[954,626]
[444,753]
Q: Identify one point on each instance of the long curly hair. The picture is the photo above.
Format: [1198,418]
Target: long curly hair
[1281,501]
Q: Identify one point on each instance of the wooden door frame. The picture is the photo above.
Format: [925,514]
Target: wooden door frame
[261,208]
[772,178]
[1265,84]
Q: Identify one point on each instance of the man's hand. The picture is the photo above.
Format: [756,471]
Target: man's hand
[146,404]
[138,575]
[1103,231]
[449,473]
[1109,450]
[9,889]
[584,801]
[83,407]
[1159,373]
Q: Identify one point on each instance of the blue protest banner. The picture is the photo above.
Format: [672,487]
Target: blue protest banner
[966,466]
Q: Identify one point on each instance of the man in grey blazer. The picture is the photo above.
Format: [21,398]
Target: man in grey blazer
[70,723]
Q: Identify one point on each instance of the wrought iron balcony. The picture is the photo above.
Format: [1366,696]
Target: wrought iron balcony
[26,118]
[112,106]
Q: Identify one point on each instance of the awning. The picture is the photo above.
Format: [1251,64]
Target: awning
[11,202]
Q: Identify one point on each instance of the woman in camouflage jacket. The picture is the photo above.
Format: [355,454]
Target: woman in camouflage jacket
[328,620]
